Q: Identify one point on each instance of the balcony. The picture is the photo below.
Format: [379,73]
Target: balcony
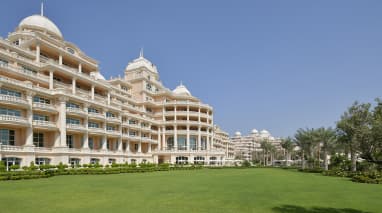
[13,120]
[13,100]
[44,107]
[113,120]
[75,128]
[94,115]
[14,70]
[75,111]
[40,124]
[96,131]
[113,133]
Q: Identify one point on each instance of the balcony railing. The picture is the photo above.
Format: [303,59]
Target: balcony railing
[13,118]
[44,123]
[113,119]
[43,106]
[13,99]
[96,115]
[75,110]
[76,126]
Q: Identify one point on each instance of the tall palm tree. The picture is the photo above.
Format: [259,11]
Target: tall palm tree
[305,140]
[288,145]
[327,138]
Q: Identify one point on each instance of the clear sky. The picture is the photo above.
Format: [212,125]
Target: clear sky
[275,65]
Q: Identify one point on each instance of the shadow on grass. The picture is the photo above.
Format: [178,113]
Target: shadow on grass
[299,209]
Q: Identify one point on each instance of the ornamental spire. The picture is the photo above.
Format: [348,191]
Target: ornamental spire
[42,8]
[141,53]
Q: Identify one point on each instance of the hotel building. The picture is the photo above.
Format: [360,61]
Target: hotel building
[247,146]
[56,106]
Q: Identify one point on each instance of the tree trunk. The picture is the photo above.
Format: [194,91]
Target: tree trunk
[326,163]
[353,161]
[303,160]
[264,158]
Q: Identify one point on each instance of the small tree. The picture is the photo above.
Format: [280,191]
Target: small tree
[288,145]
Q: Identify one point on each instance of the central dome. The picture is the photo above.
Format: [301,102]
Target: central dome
[41,23]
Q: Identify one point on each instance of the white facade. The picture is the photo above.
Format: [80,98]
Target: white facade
[56,106]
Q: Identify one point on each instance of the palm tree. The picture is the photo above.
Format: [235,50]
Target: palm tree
[326,138]
[288,145]
[268,150]
[305,140]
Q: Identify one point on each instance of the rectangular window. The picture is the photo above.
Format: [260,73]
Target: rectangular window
[9,92]
[38,99]
[29,70]
[72,105]
[93,110]
[136,147]
[69,141]
[110,127]
[133,122]
[91,143]
[7,137]
[110,115]
[11,112]
[93,125]
[72,121]
[3,62]
[38,139]
[38,117]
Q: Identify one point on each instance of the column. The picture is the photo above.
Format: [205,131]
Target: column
[108,97]
[50,79]
[119,145]
[37,52]
[80,68]
[104,143]
[159,140]
[74,86]
[85,140]
[139,146]
[149,149]
[175,137]
[62,121]
[92,92]
[208,140]
[199,139]
[60,59]
[164,136]
[29,132]
[128,146]
[188,137]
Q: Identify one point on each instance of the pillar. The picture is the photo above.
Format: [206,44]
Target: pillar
[60,59]
[199,139]
[92,92]
[62,120]
[50,79]
[80,68]
[139,147]
[108,97]
[74,86]
[175,137]
[104,143]
[119,145]
[85,140]
[29,114]
[188,137]
[38,53]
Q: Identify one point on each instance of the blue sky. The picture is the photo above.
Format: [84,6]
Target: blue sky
[275,65]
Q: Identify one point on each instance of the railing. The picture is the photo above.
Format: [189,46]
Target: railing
[113,132]
[13,118]
[24,72]
[96,129]
[115,119]
[10,98]
[94,114]
[43,105]
[76,126]
[75,110]
[44,123]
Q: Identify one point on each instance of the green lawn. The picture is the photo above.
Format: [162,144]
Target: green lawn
[226,190]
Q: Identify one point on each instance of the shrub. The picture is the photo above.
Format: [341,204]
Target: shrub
[246,164]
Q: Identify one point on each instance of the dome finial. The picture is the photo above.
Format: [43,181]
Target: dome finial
[141,53]
[42,8]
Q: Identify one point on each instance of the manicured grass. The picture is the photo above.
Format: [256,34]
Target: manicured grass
[207,190]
